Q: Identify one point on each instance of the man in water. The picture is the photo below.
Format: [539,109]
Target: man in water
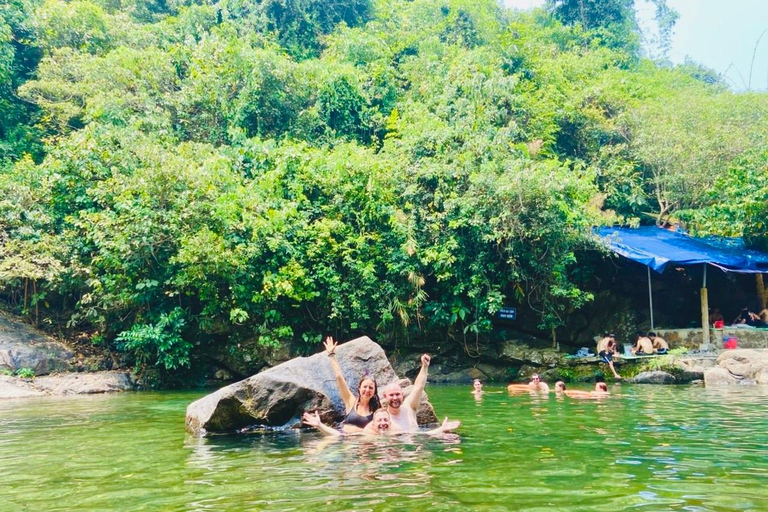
[660,345]
[402,411]
[537,385]
[643,345]
[606,349]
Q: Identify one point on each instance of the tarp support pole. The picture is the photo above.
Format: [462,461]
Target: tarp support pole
[650,297]
[704,312]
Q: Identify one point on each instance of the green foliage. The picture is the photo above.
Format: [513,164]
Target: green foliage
[25,373]
[229,174]
[158,344]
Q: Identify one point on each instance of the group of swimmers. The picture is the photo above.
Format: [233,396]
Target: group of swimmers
[538,386]
[366,414]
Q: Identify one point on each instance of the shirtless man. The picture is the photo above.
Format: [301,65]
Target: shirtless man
[537,385]
[606,349]
[643,345]
[660,345]
[402,412]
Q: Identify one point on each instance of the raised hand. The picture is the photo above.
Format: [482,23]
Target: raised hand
[330,345]
[449,425]
[313,420]
[425,359]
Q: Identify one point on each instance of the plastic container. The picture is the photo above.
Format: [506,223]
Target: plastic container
[719,324]
[730,342]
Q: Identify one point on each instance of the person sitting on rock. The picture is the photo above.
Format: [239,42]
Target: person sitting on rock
[359,410]
[606,350]
[402,411]
[380,425]
[750,318]
[660,345]
[643,345]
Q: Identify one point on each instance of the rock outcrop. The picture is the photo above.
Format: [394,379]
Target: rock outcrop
[653,377]
[741,366]
[277,397]
[21,346]
[65,384]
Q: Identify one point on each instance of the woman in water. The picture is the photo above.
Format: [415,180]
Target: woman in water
[359,409]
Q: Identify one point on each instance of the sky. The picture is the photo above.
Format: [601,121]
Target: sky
[717,33]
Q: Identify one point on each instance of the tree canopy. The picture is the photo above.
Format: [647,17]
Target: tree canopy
[182,178]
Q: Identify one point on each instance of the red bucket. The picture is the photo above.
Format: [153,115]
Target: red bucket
[730,342]
[719,324]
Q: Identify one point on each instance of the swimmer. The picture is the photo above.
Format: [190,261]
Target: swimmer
[402,411]
[477,389]
[359,409]
[537,385]
[601,390]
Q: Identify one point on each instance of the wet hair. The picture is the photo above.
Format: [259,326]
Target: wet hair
[602,386]
[560,383]
[374,403]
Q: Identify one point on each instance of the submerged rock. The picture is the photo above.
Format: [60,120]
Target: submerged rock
[738,367]
[278,396]
[653,377]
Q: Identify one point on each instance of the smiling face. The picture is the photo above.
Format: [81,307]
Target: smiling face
[477,385]
[381,421]
[367,389]
[394,396]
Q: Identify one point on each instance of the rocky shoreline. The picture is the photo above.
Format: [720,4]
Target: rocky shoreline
[66,384]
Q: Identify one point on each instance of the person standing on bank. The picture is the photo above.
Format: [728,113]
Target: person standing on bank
[359,409]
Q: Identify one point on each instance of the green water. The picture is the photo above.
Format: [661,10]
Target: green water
[645,448]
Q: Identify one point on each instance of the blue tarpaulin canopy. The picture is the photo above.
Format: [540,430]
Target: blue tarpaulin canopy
[656,248]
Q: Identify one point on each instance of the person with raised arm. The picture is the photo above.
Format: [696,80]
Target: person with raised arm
[359,409]
[402,411]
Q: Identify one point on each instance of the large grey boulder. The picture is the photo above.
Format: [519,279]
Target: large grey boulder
[741,366]
[21,346]
[277,397]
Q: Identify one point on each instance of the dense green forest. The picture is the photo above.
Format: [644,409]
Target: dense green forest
[190,180]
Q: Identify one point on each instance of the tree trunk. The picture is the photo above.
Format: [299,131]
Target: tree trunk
[762,292]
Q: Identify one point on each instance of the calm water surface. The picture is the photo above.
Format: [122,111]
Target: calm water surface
[645,448]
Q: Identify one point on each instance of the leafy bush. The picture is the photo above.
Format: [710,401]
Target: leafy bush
[158,344]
